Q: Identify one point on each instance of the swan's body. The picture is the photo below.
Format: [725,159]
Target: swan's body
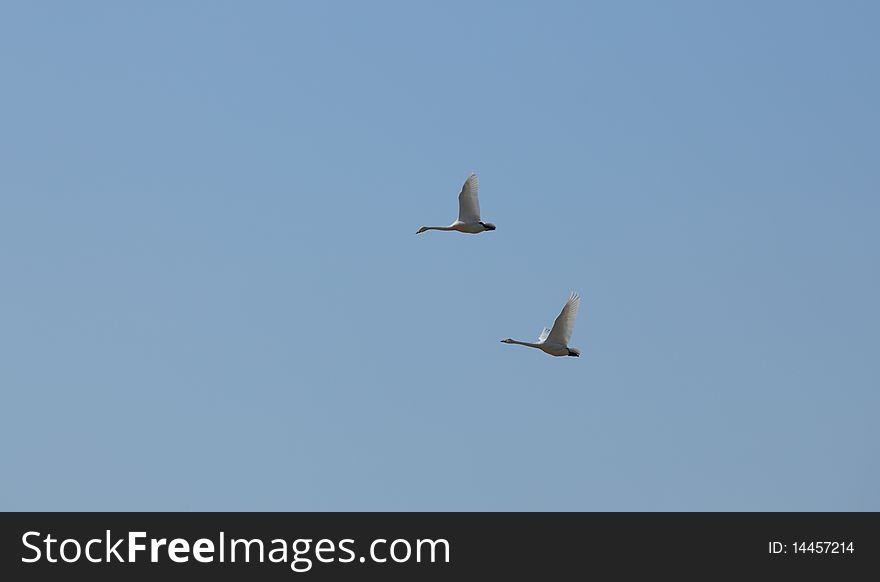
[468,211]
[555,341]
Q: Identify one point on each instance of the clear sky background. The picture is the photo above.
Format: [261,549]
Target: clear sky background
[212,296]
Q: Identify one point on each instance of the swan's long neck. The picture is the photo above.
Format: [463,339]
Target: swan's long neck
[513,341]
[424,228]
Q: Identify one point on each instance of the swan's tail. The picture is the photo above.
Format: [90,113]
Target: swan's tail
[574,352]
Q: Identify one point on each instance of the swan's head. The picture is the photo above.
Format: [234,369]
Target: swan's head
[488,225]
[421,230]
[574,352]
[507,341]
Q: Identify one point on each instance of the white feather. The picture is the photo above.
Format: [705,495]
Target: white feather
[564,324]
[468,201]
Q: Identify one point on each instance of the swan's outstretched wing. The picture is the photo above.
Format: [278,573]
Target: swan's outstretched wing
[564,324]
[468,203]
[543,335]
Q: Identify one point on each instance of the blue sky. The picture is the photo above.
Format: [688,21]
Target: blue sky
[213,298]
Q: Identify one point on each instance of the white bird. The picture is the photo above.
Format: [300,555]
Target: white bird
[468,211]
[555,341]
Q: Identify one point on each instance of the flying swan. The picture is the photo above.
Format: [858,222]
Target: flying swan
[555,341]
[468,211]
